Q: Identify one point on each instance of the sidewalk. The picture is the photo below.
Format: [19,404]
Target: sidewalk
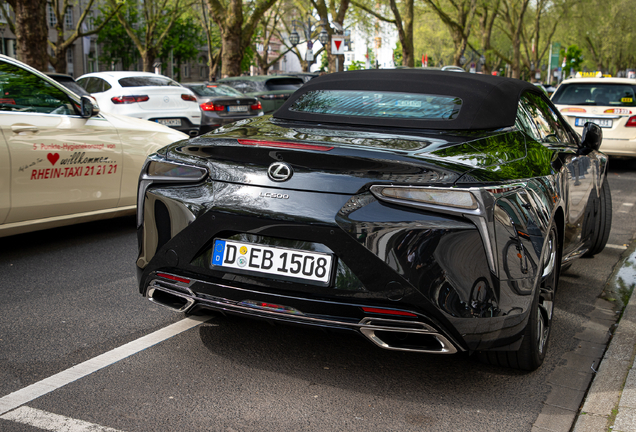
[610,404]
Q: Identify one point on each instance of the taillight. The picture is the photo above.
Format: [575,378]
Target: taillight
[257,107]
[631,122]
[209,106]
[174,278]
[284,144]
[580,110]
[387,311]
[188,97]
[617,111]
[129,99]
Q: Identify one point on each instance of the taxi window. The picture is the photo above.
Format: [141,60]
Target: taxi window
[601,94]
[25,92]
[363,103]
[536,117]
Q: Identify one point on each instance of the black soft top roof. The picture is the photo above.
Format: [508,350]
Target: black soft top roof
[488,102]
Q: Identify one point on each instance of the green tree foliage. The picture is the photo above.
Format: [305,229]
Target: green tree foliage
[182,44]
[357,65]
[156,18]
[572,57]
[605,32]
[115,44]
[432,38]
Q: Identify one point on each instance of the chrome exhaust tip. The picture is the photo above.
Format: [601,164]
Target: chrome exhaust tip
[177,302]
[405,336]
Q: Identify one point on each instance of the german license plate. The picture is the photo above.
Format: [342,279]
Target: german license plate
[281,263]
[169,122]
[604,123]
[237,108]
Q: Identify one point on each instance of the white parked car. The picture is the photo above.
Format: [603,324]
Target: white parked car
[61,160]
[146,96]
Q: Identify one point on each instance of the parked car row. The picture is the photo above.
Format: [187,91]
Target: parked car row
[192,108]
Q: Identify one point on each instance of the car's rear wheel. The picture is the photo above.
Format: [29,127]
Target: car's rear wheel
[531,353]
[603,223]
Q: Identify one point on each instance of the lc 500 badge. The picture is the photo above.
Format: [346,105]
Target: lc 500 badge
[273,195]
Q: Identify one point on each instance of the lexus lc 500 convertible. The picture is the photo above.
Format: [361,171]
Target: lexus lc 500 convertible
[427,211]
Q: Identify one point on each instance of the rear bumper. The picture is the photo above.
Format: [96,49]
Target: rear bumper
[386,332]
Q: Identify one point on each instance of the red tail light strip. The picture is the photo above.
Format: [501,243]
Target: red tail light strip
[283,144]
[174,278]
[388,311]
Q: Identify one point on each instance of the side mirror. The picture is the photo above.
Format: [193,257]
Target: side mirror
[591,138]
[89,106]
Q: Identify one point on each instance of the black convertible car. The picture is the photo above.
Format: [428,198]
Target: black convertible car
[427,211]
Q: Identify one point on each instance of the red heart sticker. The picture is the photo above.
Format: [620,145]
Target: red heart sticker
[53,157]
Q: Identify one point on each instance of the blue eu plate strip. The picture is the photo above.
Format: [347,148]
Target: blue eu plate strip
[219,251]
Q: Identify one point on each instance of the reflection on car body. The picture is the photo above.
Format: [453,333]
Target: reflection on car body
[426,211]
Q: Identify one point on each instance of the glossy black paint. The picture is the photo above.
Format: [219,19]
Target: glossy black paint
[432,264]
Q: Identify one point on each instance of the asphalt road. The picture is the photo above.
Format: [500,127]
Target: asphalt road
[68,295]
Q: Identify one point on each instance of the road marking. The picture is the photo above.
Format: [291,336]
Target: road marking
[52,422]
[628,204]
[52,383]
[613,246]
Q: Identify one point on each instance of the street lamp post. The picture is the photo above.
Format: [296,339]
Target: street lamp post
[307,28]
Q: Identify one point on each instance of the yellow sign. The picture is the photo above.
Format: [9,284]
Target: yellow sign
[243,250]
[627,100]
[596,74]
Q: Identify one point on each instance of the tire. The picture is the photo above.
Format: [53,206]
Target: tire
[536,334]
[603,223]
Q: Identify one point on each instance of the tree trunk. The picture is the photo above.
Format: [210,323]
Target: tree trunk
[232,52]
[31,32]
[148,59]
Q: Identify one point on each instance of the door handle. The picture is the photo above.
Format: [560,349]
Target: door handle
[24,128]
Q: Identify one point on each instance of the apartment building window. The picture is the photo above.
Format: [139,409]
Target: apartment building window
[51,15]
[203,71]
[186,71]
[68,18]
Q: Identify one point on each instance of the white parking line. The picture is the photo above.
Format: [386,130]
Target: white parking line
[628,204]
[47,385]
[52,422]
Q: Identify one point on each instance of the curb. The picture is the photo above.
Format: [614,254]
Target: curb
[610,403]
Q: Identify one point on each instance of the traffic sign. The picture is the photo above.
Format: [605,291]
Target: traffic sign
[337,45]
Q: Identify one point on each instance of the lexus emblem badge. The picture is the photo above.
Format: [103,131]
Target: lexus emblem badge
[280,171]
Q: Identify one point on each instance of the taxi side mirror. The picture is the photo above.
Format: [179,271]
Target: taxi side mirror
[89,106]
[591,138]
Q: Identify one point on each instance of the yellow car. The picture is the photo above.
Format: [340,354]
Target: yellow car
[61,160]
[608,102]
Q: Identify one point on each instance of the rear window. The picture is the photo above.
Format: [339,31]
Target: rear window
[245,86]
[595,94]
[214,90]
[147,81]
[378,104]
[284,84]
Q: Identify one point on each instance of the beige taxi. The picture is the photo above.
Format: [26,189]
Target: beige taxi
[608,102]
[61,160]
